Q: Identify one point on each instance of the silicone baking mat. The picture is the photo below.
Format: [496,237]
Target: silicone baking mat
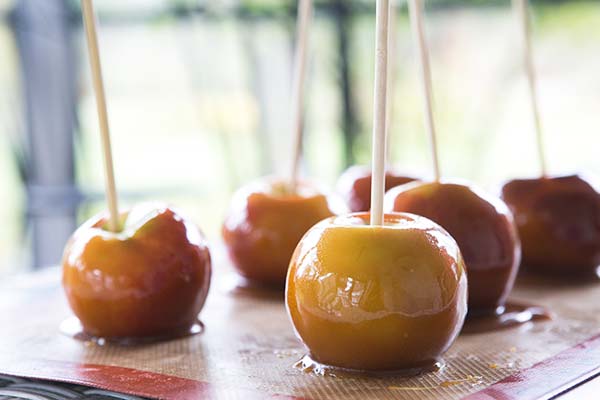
[248,350]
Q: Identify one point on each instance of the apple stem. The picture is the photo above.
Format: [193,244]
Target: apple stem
[391,81]
[521,8]
[416,16]
[89,18]
[380,111]
[305,11]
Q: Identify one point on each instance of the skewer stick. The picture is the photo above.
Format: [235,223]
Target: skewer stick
[305,10]
[416,16]
[521,8]
[392,45]
[89,19]
[380,111]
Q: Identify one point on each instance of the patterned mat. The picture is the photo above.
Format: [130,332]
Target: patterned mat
[248,351]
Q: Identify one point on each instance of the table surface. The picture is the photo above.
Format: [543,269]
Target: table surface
[248,350]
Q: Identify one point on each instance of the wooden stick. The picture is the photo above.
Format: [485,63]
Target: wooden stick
[416,16]
[89,19]
[521,8]
[379,112]
[305,10]
[392,46]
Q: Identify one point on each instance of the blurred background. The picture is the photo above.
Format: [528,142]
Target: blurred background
[199,91]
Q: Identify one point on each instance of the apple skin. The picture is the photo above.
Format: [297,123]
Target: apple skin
[150,280]
[377,298]
[483,227]
[265,223]
[355,186]
[558,219]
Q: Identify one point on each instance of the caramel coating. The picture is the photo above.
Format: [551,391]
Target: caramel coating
[151,280]
[483,227]
[377,298]
[355,186]
[559,223]
[266,222]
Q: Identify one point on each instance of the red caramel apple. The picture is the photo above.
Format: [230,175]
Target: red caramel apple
[377,298]
[355,186]
[559,223]
[483,227]
[265,223]
[148,281]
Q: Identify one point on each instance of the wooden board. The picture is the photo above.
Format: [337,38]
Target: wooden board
[248,350]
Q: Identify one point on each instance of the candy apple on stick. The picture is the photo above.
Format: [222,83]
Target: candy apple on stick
[267,218]
[355,183]
[377,292]
[139,274]
[558,217]
[481,224]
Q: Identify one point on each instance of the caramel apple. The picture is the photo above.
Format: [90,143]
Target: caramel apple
[265,223]
[355,186]
[150,279]
[377,298]
[558,220]
[483,227]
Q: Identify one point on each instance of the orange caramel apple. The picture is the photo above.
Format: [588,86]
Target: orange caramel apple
[482,225]
[377,298]
[265,223]
[558,219]
[148,281]
[355,186]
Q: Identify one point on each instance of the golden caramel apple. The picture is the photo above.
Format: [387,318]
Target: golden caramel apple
[265,223]
[559,223]
[355,186]
[483,227]
[149,280]
[377,298]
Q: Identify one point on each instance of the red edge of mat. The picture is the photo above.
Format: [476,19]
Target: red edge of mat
[548,378]
[125,380]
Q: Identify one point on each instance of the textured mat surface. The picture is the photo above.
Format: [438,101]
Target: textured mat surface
[248,349]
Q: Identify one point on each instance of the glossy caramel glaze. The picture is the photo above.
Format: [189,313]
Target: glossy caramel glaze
[150,280]
[483,227]
[377,298]
[266,222]
[559,223]
[355,186]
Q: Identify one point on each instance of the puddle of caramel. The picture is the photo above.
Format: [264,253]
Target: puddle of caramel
[471,379]
[309,365]
[72,327]
[508,316]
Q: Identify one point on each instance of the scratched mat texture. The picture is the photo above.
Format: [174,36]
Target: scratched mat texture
[248,345]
